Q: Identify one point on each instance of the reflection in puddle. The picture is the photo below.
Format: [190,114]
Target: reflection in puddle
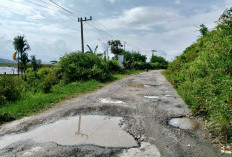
[184,123]
[79,129]
[152,97]
[110,101]
[97,130]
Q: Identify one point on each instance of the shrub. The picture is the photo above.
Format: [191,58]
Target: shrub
[77,66]
[9,89]
[162,63]
[113,66]
[32,80]
[43,80]
[48,82]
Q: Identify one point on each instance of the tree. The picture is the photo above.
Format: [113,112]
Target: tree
[203,30]
[162,63]
[36,64]
[158,59]
[116,47]
[21,46]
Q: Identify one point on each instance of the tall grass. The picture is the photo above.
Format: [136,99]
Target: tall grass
[203,77]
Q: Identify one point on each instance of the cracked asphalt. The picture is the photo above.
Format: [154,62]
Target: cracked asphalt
[150,102]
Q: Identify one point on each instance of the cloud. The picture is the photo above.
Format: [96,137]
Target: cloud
[164,29]
[228,3]
[177,2]
[35,17]
[143,18]
[112,1]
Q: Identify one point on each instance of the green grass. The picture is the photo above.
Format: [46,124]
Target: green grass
[32,103]
[202,76]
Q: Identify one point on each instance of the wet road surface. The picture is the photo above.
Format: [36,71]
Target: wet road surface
[139,116]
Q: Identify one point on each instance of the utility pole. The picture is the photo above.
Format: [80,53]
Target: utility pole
[18,64]
[82,32]
[124,52]
[153,51]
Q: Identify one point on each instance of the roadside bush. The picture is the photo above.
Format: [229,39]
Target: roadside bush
[77,66]
[5,117]
[9,89]
[162,63]
[43,80]
[32,80]
[48,82]
[138,65]
[113,66]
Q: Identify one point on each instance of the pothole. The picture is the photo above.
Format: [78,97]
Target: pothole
[178,106]
[146,150]
[151,97]
[137,85]
[151,85]
[89,129]
[110,101]
[185,123]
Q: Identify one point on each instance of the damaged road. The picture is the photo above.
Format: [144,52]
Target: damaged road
[139,116]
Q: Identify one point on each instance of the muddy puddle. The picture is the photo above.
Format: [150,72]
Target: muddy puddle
[110,101]
[185,123]
[90,129]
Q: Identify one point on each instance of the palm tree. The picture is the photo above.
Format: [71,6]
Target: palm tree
[21,46]
[91,51]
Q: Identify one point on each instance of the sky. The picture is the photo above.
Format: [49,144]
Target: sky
[167,26]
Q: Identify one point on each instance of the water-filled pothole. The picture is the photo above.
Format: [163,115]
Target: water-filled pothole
[151,97]
[185,123]
[98,130]
[110,101]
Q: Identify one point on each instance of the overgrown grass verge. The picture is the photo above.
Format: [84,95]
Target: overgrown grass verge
[31,103]
[202,76]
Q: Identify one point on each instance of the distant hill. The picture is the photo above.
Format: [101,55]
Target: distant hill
[6,61]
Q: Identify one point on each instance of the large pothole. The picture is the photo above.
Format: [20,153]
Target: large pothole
[185,123]
[89,129]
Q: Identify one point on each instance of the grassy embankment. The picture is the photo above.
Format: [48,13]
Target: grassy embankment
[31,103]
[202,76]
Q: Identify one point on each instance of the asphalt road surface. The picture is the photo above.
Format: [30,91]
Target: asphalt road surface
[141,106]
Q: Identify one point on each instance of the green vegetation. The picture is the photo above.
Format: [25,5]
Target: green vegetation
[34,102]
[159,61]
[9,89]
[134,60]
[115,47]
[41,87]
[203,77]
